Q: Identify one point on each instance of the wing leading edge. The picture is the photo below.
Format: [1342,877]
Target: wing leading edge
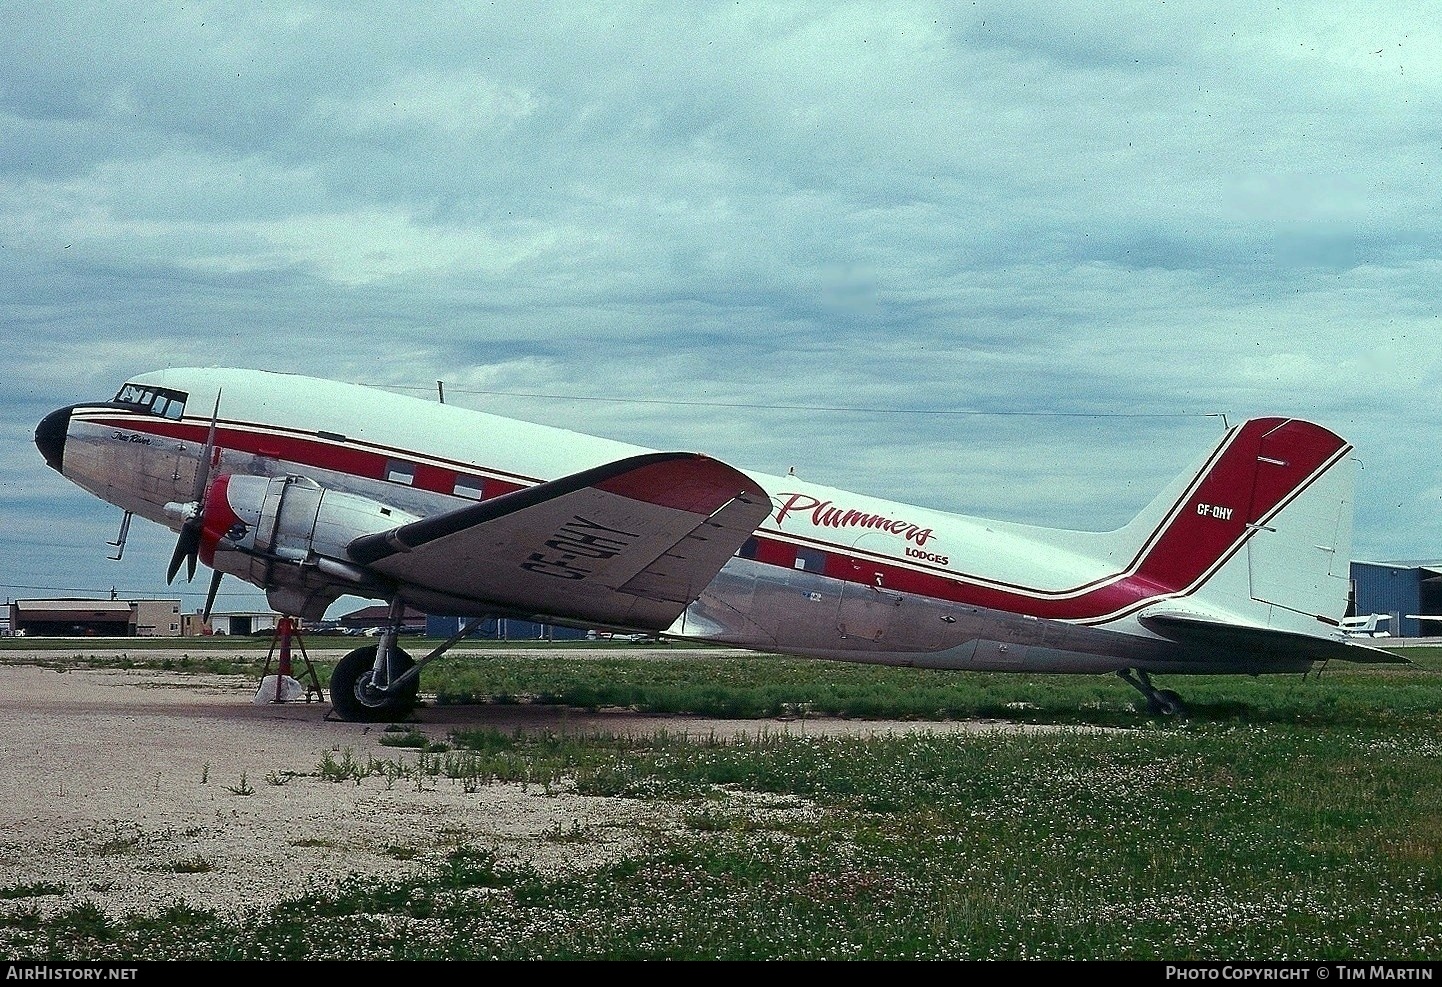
[629,544]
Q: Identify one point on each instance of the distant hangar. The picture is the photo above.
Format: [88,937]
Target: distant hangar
[96,618]
[1402,590]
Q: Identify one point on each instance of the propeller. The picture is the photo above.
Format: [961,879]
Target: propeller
[210,595]
[187,546]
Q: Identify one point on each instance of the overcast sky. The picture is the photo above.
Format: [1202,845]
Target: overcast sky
[1020,260]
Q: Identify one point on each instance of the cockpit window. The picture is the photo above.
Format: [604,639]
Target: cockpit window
[156,400]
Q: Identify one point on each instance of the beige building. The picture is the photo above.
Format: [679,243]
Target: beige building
[95,618]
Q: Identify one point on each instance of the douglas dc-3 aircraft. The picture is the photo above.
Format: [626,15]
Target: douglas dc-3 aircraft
[312,489]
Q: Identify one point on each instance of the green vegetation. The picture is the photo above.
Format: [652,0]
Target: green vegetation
[36,890]
[1284,818]
[682,679]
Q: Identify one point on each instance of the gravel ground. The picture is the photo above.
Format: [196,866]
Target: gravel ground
[137,790]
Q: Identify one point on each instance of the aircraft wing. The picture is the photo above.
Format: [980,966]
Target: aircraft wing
[1259,641]
[630,543]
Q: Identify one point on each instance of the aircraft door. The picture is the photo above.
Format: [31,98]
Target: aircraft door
[868,609]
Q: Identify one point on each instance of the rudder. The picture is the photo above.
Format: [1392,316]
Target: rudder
[1299,557]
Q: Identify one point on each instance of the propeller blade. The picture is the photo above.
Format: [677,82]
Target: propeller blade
[210,595]
[202,469]
[187,546]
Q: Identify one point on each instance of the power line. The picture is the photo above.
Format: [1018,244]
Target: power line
[818,407]
[166,594]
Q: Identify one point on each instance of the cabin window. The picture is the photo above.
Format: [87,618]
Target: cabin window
[399,471]
[748,550]
[470,487]
[810,559]
[133,394]
[155,400]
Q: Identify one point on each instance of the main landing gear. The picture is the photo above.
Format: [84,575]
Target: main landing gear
[380,683]
[1160,702]
[375,684]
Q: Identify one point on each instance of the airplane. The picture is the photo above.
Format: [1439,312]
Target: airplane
[1366,625]
[314,489]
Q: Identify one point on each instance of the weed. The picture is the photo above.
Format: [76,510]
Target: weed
[346,769]
[26,919]
[117,845]
[396,736]
[192,865]
[403,737]
[37,890]
[575,833]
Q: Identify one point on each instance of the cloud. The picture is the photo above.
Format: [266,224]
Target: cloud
[909,249]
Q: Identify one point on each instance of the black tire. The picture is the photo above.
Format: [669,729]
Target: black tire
[1168,703]
[351,697]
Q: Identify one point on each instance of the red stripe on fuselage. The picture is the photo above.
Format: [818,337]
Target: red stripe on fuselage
[368,462]
[1265,465]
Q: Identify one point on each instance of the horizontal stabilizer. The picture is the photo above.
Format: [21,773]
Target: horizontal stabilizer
[1259,642]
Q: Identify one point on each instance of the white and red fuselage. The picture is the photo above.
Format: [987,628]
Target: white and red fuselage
[1240,558]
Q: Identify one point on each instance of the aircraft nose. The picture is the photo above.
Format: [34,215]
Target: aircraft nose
[50,438]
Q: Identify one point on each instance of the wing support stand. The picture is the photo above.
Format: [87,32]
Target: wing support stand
[284,686]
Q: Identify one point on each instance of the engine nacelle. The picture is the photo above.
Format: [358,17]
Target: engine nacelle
[287,535]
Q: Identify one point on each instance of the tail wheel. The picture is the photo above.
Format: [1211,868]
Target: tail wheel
[1167,703]
[353,695]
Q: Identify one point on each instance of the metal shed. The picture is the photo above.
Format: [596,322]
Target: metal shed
[1404,590]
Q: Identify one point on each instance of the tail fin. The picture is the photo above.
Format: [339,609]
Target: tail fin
[1262,531]
[1265,530]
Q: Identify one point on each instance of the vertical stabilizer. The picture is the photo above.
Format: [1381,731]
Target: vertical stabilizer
[1263,531]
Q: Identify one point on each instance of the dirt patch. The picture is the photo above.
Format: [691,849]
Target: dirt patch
[137,789]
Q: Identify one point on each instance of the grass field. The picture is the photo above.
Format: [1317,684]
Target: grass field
[1285,818]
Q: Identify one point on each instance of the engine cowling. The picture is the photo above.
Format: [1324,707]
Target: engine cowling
[287,535]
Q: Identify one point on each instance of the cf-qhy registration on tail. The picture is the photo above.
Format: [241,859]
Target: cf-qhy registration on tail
[312,489]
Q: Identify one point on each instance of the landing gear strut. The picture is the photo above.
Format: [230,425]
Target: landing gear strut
[1160,702]
[381,683]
